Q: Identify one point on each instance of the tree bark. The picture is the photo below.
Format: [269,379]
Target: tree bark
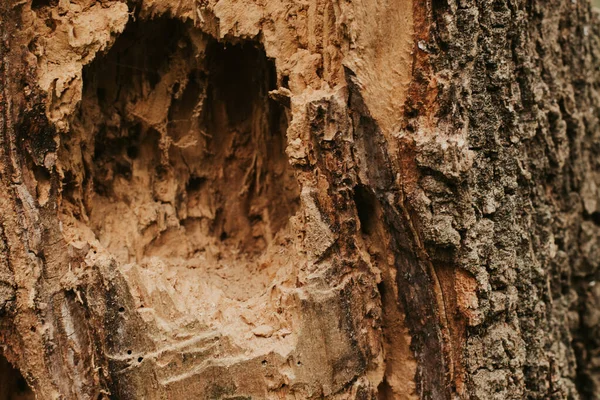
[238,199]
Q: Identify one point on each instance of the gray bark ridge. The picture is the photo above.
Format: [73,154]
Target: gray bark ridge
[518,84]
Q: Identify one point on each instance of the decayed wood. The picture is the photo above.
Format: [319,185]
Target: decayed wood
[346,200]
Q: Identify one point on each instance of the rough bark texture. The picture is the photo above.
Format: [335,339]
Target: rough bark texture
[293,200]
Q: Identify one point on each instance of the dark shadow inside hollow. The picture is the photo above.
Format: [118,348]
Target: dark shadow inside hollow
[12,384]
[178,136]
[247,131]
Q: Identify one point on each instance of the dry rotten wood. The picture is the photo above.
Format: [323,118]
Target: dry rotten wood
[291,200]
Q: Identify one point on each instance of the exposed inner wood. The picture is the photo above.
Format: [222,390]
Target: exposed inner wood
[175,167]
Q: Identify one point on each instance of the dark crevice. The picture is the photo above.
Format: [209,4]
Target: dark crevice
[595,217]
[38,4]
[13,385]
[365,207]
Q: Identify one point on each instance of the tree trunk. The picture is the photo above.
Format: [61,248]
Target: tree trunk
[238,199]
